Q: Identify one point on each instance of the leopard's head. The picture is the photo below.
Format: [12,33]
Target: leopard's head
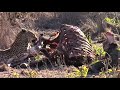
[29,35]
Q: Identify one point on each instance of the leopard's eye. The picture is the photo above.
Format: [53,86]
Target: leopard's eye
[34,40]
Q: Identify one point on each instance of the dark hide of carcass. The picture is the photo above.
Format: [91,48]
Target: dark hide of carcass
[75,46]
[72,44]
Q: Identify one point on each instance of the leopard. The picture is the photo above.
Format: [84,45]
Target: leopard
[19,46]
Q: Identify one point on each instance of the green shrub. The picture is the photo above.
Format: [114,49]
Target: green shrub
[15,75]
[112,21]
[82,71]
[99,50]
[39,57]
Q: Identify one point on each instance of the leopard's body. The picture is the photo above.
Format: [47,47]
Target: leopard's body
[19,46]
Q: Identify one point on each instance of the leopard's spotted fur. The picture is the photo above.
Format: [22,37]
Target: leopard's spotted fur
[19,46]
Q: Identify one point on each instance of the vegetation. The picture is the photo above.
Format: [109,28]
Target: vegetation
[99,50]
[15,75]
[80,72]
[113,21]
[30,73]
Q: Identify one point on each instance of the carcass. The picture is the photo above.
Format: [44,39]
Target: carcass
[71,43]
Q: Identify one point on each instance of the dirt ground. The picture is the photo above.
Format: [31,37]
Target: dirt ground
[57,72]
[60,72]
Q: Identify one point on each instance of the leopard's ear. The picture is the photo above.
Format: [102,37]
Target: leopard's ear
[24,30]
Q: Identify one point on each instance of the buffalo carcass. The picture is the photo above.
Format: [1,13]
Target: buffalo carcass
[75,46]
[71,43]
